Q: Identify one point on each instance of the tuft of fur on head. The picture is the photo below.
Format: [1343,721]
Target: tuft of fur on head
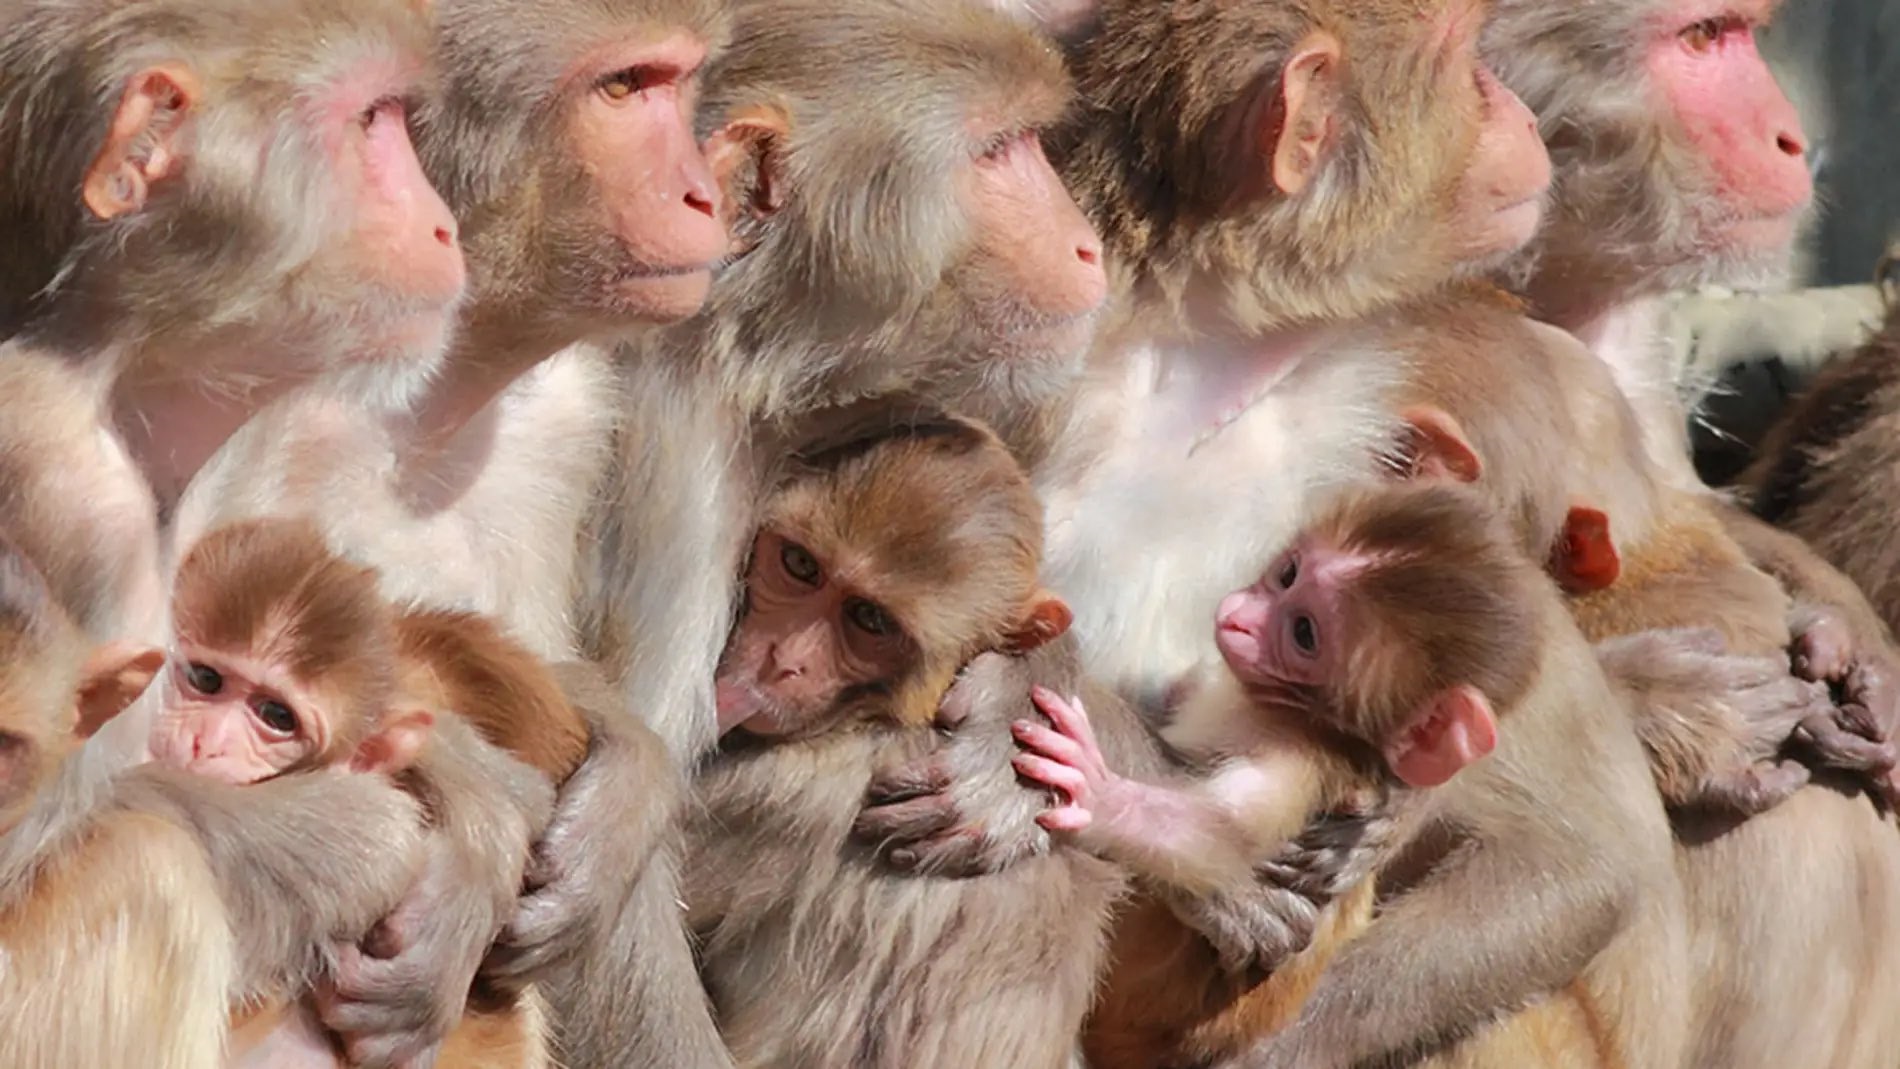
[273,590]
[1445,599]
[1629,208]
[232,246]
[934,521]
[846,287]
[1160,156]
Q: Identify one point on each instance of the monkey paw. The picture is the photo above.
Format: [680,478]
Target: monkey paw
[1753,789]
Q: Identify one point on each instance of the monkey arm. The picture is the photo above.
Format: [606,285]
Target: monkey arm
[396,995]
[1498,924]
[1804,574]
[1713,725]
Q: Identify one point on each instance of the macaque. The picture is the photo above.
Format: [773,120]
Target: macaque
[1400,641]
[1536,423]
[1823,472]
[288,658]
[561,135]
[881,566]
[1678,162]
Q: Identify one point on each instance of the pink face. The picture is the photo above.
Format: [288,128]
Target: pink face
[403,239]
[1034,246]
[234,720]
[1501,200]
[807,638]
[1287,628]
[1730,110]
[631,128]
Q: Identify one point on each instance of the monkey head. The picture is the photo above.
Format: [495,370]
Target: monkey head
[878,573]
[285,660]
[896,215]
[1319,161]
[251,178]
[1679,161]
[564,139]
[1399,620]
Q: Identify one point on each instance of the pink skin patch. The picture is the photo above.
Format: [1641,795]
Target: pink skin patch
[1731,110]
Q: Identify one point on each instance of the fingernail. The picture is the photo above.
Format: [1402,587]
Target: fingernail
[903,859]
[1019,727]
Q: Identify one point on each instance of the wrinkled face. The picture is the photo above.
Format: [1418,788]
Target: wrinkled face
[1729,111]
[808,644]
[649,227]
[1288,628]
[236,720]
[1035,275]
[399,256]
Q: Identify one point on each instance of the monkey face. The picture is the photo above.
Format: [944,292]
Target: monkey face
[1288,627]
[808,646]
[231,719]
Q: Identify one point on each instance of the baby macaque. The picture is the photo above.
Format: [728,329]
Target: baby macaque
[872,582]
[881,567]
[1379,654]
[289,658]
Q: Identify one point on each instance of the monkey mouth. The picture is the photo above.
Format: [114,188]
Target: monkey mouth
[639,272]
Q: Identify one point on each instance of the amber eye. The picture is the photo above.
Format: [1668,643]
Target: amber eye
[799,563]
[868,618]
[1289,572]
[1702,36]
[622,85]
[1305,634]
[382,108]
[277,716]
[204,679]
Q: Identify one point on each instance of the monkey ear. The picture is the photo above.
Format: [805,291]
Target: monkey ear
[139,148]
[111,680]
[1045,619]
[1585,557]
[753,138]
[395,743]
[1435,447]
[1455,728]
[1305,109]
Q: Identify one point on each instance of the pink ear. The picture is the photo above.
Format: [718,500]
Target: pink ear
[395,744]
[1436,447]
[1453,730]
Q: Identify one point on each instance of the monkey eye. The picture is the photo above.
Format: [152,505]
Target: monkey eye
[868,618]
[382,108]
[277,716]
[1305,634]
[799,563]
[623,84]
[203,678]
[1289,572]
[1702,36]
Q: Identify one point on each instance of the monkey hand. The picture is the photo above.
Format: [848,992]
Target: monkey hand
[611,816]
[394,995]
[1069,761]
[1856,733]
[960,810]
[1716,726]
[1253,934]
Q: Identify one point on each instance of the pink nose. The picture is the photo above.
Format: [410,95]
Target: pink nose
[1244,611]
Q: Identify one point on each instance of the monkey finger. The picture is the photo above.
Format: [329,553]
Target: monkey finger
[905,821]
[919,779]
[1070,781]
[1069,818]
[1067,714]
[1048,743]
[960,854]
[1756,788]
[1832,746]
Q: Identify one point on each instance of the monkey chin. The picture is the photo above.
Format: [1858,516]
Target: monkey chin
[1504,233]
[663,296]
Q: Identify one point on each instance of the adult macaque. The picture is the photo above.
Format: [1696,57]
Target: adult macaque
[1398,642]
[882,565]
[1824,470]
[562,138]
[1678,162]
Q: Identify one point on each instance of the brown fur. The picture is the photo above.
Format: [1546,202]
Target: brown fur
[1827,472]
[914,972]
[1344,1012]
[1154,156]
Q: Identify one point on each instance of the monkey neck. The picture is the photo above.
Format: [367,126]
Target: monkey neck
[495,344]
